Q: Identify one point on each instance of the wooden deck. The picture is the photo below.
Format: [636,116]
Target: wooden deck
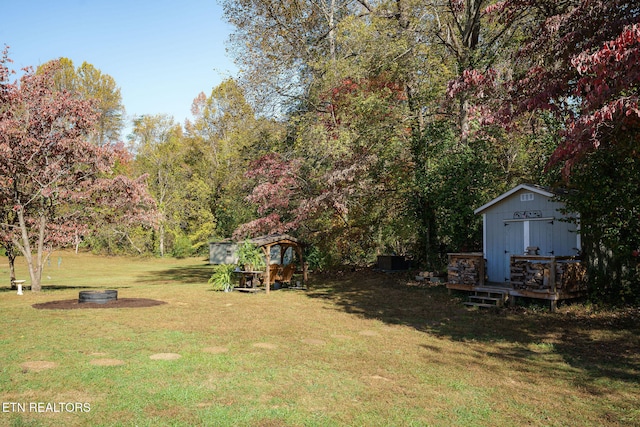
[511,294]
[550,278]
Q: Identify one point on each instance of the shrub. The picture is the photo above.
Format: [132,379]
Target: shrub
[222,277]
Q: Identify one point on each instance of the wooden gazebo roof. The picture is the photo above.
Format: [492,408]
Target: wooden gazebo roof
[275,239]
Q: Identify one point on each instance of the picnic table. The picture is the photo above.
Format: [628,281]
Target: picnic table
[247,276]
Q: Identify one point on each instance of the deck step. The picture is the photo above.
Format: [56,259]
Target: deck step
[491,294]
[477,304]
[487,298]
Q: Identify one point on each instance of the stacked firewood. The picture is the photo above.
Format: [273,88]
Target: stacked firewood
[464,270]
[569,276]
[528,275]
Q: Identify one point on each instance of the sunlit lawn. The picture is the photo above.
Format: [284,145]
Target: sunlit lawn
[363,349]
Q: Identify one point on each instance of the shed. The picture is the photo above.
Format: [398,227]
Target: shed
[223,252]
[526,220]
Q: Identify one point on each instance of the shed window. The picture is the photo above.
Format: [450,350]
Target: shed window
[526,197]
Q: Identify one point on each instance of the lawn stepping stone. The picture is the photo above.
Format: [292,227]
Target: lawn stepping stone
[379,378]
[38,365]
[165,356]
[107,362]
[341,337]
[313,341]
[265,345]
[215,350]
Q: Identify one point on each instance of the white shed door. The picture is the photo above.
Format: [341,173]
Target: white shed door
[541,235]
[514,245]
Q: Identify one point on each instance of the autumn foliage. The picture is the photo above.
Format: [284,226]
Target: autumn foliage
[53,182]
[580,63]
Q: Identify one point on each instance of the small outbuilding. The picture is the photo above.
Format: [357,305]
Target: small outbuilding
[531,248]
[526,220]
[223,252]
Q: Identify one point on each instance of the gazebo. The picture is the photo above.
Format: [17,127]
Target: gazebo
[285,242]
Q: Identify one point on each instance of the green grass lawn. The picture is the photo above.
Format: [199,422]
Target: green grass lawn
[359,349]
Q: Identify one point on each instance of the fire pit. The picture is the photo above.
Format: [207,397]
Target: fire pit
[97,297]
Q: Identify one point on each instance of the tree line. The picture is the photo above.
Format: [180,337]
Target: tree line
[369,127]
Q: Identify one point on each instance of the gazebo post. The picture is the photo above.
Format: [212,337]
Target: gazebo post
[302,264]
[267,255]
[304,273]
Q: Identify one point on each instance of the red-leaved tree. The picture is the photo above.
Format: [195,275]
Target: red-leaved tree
[53,182]
[344,181]
[580,63]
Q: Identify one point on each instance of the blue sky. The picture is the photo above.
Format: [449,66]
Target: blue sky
[161,53]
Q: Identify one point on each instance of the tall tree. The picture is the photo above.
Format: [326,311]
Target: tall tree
[159,152]
[50,176]
[88,82]
[225,128]
[475,34]
[282,46]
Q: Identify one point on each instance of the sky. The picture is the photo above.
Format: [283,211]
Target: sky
[161,53]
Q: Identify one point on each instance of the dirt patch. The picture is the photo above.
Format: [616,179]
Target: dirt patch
[313,341]
[265,345]
[38,365]
[107,362]
[215,350]
[73,304]
[379,378]
[165,356]
[341,337]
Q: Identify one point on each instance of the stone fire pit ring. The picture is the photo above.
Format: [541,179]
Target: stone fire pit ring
[97,297]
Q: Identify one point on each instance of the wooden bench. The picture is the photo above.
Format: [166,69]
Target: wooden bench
[278,273]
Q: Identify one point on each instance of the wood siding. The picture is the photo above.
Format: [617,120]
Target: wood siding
[525,218]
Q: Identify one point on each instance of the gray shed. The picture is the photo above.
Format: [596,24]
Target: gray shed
[224,252]
[520,220]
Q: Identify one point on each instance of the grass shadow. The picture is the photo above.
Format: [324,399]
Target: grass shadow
[599,345]
[183,275]
[45,288]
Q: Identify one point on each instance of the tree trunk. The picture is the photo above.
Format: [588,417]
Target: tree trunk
[34,265]
[332,35]
[11,255]
[464,120]
[161,238]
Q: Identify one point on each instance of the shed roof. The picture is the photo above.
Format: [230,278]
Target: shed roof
[528,187]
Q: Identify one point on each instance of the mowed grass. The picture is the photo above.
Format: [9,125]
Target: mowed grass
[356,349]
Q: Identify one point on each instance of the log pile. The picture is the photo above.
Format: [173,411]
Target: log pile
[465,270]
[571,276]
[536,276]
[530,276]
